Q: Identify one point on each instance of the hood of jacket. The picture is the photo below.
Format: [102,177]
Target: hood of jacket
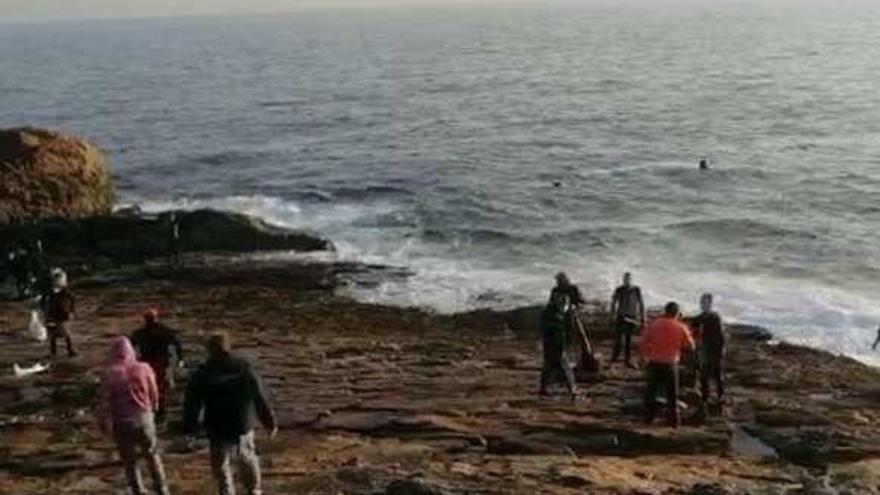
[121,351]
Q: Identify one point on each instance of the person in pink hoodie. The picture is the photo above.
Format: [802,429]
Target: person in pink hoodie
[129,399]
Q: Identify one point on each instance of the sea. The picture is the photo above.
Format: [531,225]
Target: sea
[485,148]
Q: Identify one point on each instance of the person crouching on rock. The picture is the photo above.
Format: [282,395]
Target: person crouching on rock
[229,392]
[129,397]
[662,344]
[554,325]
[154,342]
[60,309]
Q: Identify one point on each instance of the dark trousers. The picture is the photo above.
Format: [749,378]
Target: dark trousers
[165,384]
[556,367]
[662,376]
[56,331]
[711,370]
[623,339]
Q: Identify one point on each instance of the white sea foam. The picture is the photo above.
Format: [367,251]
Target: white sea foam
[837,319]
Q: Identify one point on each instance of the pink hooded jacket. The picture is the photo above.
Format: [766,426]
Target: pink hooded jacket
[128,386]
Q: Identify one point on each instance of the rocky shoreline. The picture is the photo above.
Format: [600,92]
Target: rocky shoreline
[385,400]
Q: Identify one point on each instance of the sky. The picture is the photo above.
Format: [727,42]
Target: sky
[35,10]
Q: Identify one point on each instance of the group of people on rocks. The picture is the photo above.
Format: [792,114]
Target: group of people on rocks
[663,342]
[224,394]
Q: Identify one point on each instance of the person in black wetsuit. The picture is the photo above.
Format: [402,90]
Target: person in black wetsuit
[554,330]
[154,343]
[710,336]
[564,286]
[876,342]
[627,315]
[574,324]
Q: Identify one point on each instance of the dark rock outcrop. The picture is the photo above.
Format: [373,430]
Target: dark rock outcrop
[128,238]
[49,174]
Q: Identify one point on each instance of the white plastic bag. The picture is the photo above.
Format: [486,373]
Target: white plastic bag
[36,330]
[20,372]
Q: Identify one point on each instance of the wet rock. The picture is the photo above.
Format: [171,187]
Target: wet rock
[88,484]
[133,239]
[748,332]
[805,447]
[49,174]
[525,446]
[708,489]
[414,487]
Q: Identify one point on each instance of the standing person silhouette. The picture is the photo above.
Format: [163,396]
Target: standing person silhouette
[627,315]
[129,399]
[710,349]
[876,342]
[554,329]
[662,344]
[229,392]
[60,310]
[154,343]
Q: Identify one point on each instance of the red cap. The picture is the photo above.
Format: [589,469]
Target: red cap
[151,314]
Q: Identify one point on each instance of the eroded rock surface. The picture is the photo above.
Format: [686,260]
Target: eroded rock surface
[375,400]
[50,174]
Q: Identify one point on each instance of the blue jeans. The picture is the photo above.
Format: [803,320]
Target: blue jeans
[245,451]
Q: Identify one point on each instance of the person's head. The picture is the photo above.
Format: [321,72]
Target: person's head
[706,302]
[562,279]
[59,278]
[151,315]
[559,302]
[627,279]
[121,351]
[671,310]
[219,344]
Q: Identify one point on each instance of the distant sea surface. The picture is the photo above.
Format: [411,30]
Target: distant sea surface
[432,139]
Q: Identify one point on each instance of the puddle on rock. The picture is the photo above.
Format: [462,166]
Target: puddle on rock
[744,444]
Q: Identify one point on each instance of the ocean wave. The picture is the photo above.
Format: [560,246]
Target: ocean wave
[738,228]
[805,311]
[281,103]
[230,157]
[368,192]
[484,235]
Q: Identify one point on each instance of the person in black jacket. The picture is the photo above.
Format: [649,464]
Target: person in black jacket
[553,337]
[229,392]
[627,316]
[710,335]
[154,342]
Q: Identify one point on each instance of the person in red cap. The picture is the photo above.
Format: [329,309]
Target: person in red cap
[662,344]
[154,342]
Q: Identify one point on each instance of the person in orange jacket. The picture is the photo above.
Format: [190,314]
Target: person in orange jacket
[662,344]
